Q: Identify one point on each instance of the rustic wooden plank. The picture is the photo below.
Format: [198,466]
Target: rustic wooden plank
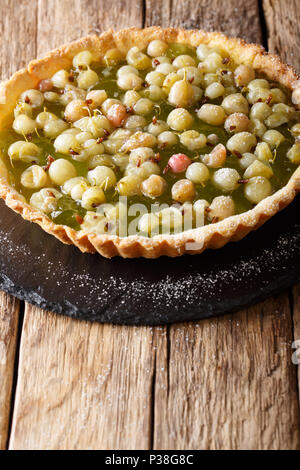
[61,21]
[82,385]
[282,20]
[9,315]
[16,23]
[296,319]
[186,377]
[234,17]
[17,44]
[225,383]
[283,29]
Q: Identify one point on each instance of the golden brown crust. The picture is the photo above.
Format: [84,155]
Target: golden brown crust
[210,236]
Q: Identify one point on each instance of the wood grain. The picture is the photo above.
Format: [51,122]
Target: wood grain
[296,319]
[17,45]
[219,384]
[14,54]
[82,385]
[61,21]
[222,383]
[227,383]
[9,314]
[282,21]
[211,15]
[283,28]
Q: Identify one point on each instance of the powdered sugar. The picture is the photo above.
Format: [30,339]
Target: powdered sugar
[40,269]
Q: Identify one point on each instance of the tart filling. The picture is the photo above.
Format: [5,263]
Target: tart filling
[159,140]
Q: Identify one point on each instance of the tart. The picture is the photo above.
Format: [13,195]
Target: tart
[150,142]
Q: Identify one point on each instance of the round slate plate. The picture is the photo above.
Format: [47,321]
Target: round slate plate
[36,267]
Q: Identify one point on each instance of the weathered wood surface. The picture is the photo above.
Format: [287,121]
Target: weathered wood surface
[282,21]
[14,54]
[296,320]
[18,26]
[228,383]
[99,381]
[211,15]
[9,314]
[222,383]
[283,29]
[248,355]
[60,21]
[82,385]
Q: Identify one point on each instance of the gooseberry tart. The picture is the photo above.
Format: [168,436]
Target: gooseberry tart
[150,142]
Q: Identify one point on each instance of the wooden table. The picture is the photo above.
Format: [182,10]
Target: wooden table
[223,383]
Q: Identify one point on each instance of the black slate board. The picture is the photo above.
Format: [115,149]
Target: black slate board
[36,267]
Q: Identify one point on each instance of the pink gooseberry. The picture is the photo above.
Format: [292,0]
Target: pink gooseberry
[179,162]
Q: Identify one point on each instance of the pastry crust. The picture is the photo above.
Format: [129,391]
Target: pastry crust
[192,241]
